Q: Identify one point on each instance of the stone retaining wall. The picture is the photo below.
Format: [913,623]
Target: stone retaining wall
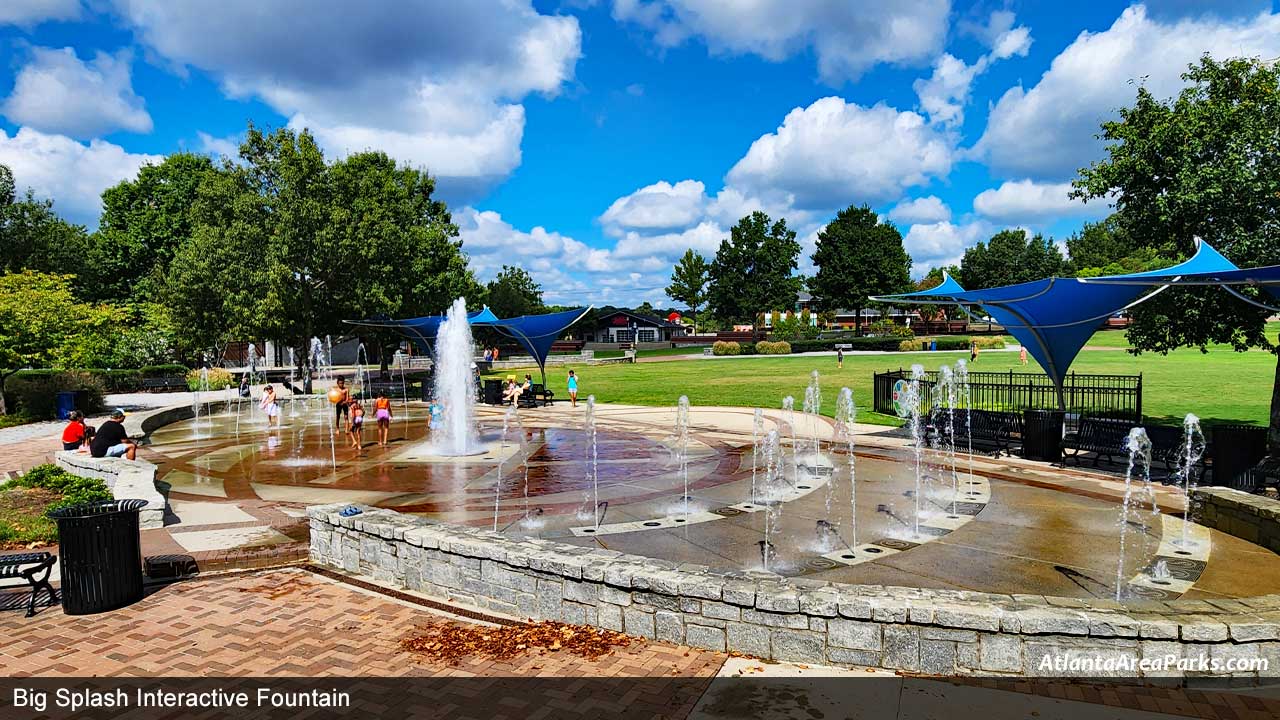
[127,479]
[1250,517]
[760,614]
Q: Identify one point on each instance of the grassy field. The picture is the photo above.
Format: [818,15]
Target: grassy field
[1221,385]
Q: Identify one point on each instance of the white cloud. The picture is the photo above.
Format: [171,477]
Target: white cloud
[833,153]
[218,146]
[72,173]
[704,237]
[660,206]
[1026,201]
[942,243]
[57,92]
[1047,132]
[847,37]
[928,209]
[433,82]
[27,13]
[944,94]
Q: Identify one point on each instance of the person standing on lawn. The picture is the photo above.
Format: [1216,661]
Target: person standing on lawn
[839,358]
[573,389]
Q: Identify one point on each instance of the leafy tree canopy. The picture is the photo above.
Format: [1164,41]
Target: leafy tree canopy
[1010,257]
[689,281]
[752,269]
[858,256]
[42,324]
[513,293]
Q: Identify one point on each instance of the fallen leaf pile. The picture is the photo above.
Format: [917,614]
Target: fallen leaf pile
[450,643]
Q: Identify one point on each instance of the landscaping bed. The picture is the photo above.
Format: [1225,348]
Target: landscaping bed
[25,504]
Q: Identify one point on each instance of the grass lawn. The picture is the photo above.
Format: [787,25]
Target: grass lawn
[1221,385]
[652,353]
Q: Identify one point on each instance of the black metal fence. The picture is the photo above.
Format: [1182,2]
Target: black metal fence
[1117,396]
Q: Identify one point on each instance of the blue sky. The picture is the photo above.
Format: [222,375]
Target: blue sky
[593,141]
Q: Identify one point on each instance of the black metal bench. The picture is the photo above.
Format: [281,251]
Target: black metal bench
[536,395]
[988,430]
[170,383]
[1102,437]
[27,566]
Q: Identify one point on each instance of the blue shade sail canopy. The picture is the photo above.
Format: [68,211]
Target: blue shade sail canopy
[534,333]
[1053,318]
[948,286]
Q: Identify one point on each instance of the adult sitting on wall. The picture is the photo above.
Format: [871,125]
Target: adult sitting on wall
[111,440]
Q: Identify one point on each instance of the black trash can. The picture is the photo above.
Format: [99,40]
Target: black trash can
[64,402]
[493,392]
[101,555]
[1042,435]
[82,401]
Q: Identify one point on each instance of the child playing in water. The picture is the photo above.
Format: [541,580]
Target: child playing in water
[382,413]
[270,406]
[437,416]
[355,427]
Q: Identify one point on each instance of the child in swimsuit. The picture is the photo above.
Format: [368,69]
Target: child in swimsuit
[573,388]
[382,413]
[270,406]
[355,429]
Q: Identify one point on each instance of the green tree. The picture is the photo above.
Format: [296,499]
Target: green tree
[33,237]
[513,293]
[286,246]
[752,269]
[858,256]
[689,283]
[43,324]
[1099,244]
[1203,164]
[1010,257]
[144,221]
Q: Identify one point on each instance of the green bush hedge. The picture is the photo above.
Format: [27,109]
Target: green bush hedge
[34,392]
[779,347]
[721,347]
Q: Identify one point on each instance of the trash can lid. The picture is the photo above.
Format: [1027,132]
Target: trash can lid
[98,507]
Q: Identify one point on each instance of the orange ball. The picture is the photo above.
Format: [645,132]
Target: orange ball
[335,396]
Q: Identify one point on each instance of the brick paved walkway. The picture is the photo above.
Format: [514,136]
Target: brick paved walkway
[286,622]
[292,623]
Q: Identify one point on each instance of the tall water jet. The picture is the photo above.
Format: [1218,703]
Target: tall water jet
[757,436]
[1139,469]
[773,462]
[502,457]
[197,399]
[454,389]
[965,392]
[947,393]
[399,362]
[293,396]
[1189,453]
[846,417]
[813,407]
[917,436]
[682,447]
[789,407]
[593,467]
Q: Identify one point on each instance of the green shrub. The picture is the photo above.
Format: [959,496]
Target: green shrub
[889,328]
[779,347]
[75,490]
[747,348]
[910,345]
[33,392]
[721,347]
[219,378]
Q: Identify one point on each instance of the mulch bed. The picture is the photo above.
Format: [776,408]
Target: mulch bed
[451,642]
[22,511]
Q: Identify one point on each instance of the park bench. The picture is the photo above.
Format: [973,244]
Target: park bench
[1166,443]
[1102,437]
[168,383]
[27,566]
[536,395]
[989,430]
